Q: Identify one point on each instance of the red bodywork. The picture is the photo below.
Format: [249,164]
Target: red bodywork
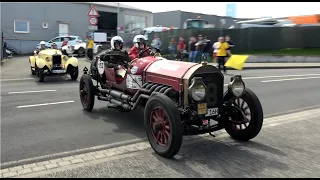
[157,70]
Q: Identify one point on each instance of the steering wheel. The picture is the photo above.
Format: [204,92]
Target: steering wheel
[142,52]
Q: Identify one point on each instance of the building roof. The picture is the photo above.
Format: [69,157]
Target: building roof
[115,4]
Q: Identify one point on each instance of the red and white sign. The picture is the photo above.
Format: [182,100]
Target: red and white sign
[93,21]
[93,12]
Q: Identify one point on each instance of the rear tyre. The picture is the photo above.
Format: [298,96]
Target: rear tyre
[87,92]
[251,107]
[163,125]
[81,51]
[40,74]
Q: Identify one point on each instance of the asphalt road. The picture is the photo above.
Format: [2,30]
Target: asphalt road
[287,147]
[31,127]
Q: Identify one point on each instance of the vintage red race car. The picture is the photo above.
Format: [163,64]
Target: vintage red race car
[180,98]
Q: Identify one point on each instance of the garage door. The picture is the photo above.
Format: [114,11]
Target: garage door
[63,29]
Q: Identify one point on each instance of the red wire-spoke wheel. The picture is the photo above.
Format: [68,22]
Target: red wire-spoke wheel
[250,116]
[163,125]
[87,92]
[160,127]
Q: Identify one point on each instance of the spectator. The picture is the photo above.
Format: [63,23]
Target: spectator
[192,49]
[156,43]
[207,47]
[215,50]
[181,49]
[90,48]
[172,47]
[65,42]
[199,47]
[222,53]
[231,45]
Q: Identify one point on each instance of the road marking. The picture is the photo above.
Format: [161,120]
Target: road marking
[293,75]
[25,92]
[20,79]
[45,104]
[292,79]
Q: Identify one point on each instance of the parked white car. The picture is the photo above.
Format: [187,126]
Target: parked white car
[80,49]
[59,40]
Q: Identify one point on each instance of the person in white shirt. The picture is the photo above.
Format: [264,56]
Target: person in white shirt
[215,50]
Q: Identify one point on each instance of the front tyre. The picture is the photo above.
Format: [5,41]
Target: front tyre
[248,127]
[40,74]
[81,51]
[87,92]
[33,72]
[163,125]
[74,73]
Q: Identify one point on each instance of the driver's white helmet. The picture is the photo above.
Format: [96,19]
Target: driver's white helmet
[42,43]
[116,39]
[139,39]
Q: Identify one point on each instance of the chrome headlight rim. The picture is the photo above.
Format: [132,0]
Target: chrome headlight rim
[235,85]
[197,85]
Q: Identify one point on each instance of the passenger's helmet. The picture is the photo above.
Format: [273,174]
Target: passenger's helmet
[139,40]
[116,41]
[42,43]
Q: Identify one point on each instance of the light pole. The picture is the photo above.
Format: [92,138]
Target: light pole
[118,17]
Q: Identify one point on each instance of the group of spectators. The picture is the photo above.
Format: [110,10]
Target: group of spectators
[196,47]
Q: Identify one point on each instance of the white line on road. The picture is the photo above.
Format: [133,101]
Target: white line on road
[20,79]
[45,104]
[292,79]
[293,75]
[25,92]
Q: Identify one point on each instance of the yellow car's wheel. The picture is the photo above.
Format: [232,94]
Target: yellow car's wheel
[74,73]
[40,74]
[33,72]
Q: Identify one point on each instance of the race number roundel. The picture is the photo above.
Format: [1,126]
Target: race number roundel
[93,21]
[100,66]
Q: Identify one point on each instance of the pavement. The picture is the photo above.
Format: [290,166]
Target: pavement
[45,121]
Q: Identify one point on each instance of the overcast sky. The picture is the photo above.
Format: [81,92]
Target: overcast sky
[244,9]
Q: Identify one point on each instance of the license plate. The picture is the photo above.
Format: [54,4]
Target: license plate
[59,71]
[202,108]
[57,65]
[212,112]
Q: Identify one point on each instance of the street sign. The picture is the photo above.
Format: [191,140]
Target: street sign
[93,21]
[93,12]
[93,27]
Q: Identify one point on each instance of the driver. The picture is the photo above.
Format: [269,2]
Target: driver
[139,43]
[42,47]
[116,49]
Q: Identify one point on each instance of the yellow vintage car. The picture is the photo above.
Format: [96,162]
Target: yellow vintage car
[53,62]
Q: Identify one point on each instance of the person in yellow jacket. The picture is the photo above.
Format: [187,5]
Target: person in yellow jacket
[90,48]
[222,53]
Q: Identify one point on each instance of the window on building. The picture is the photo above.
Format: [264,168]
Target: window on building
[21,26]
[133,23]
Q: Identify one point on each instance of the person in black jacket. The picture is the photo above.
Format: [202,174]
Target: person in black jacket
[207,47]
[231,45]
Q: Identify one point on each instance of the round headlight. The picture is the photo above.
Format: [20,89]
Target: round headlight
[237,88]
[48,59]
[65,58]
[198,92]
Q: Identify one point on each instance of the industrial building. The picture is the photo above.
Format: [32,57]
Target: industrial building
[177,19]
[24,25]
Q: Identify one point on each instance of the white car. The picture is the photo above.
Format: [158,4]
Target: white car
[80,49]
